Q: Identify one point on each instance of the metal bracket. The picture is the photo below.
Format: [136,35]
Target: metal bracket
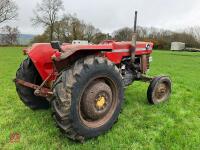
[37,91]
[41,91]
[144,78]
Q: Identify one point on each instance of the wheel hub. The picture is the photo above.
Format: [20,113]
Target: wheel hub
[161,92]
[96,101]
[101,102]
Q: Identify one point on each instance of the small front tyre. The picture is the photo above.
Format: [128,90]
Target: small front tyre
[159,90]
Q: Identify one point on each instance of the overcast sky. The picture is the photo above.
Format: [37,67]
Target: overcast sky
[109,15]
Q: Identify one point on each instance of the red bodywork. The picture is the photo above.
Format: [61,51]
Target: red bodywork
[41,54]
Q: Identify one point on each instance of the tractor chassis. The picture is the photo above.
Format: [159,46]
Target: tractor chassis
[40,90]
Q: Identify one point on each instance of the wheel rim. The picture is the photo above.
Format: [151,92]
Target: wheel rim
[98,102]
[161,92]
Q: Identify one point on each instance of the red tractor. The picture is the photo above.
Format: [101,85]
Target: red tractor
[84,84]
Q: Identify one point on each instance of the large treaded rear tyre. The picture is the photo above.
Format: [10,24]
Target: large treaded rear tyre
[77,110]
[28,72]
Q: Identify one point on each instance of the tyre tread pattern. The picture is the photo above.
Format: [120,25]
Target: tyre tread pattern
[63,94]
[27,72]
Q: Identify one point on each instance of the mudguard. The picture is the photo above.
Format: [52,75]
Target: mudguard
[40,55]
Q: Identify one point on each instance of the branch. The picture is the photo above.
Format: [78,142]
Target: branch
[8,10]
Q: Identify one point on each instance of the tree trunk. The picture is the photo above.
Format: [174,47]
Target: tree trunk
[51,32]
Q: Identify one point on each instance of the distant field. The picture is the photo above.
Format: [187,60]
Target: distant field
[172,125]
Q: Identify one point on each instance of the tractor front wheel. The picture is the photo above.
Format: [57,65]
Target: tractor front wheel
[159,90]
[88,98]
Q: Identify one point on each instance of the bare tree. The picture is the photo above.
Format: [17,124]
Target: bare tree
[8,10]
[9,35]
[142,32]
[124,34]
[58,30]
[77,29]
[195,31]
[71,28]
[99,37]
[90,32]
[47,14]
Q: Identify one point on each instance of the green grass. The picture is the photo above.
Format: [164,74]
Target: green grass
[171,125]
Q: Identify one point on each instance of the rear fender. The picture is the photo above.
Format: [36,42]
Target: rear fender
[40,55]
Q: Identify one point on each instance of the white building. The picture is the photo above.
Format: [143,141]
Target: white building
[80,42]
[177,46]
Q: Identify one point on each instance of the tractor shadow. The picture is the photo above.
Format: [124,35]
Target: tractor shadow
[136,93]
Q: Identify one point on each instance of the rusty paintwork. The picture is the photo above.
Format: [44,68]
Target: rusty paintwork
[41,91]
[98,100]
[91,114]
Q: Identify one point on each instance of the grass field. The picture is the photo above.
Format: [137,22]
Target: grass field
[172,125]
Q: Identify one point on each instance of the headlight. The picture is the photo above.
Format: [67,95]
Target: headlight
[148,46]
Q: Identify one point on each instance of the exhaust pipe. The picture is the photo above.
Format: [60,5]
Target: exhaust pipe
[135,22]
[134,39]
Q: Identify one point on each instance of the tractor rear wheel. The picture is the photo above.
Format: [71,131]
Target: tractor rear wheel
[88,98]
[28,73]
[159,90]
